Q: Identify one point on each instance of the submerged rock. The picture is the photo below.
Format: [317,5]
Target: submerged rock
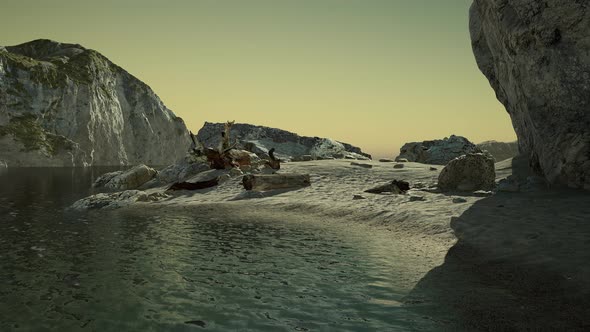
[288,145]
[65,105]
[535,56]
[114,200]
[437,152]
[474,171]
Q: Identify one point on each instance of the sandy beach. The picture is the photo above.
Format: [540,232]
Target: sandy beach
[507,261]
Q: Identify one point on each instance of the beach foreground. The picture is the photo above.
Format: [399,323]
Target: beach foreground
[487,260]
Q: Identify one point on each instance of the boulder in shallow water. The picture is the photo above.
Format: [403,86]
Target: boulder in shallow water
[474,171]
[110,201]
[125,180]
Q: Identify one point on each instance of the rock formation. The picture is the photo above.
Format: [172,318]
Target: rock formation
[65,105]
[125,180]
[535,55]
[288,145]
[437,152]
[500,150]
[474,171]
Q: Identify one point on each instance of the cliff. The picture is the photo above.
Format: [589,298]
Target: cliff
[65,105]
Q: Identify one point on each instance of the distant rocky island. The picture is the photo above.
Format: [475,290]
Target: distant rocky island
[442,151]
[66,105]
[288,146]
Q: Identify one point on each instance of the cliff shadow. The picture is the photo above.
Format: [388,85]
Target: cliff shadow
[522,262]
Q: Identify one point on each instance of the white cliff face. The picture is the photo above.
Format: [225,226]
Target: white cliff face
[80,97]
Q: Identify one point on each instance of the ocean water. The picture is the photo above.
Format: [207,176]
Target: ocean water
[186,270]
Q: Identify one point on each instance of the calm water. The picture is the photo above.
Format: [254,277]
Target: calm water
[124,271]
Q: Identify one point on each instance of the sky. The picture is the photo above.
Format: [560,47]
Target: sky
[373,73]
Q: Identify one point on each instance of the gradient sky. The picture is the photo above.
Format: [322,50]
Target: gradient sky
[373,73]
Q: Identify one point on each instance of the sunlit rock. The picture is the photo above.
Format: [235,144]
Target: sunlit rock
[65,105]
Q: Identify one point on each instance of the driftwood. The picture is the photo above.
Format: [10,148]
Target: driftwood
[226,136]
[395,187]
[274,162]
[194,185]
[216,160]
[262,182]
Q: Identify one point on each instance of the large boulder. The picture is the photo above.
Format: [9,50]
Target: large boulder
[474,171]
[185,168]
[125,180]
[500,150]
[287,145]
[437,152]
[535,55]
[66,105]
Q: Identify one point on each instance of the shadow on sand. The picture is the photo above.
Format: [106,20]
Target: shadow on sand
[521,263]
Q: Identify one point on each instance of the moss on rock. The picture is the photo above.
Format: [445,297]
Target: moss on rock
[27,130]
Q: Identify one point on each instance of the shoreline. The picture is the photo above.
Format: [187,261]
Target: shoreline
[501,261]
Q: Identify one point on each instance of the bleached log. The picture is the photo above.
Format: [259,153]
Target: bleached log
[263,182]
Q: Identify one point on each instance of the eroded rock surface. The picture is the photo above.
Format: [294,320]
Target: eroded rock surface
[126,180]
[111,201]
[436,152]
[535,55]
[65,105]
[474,171]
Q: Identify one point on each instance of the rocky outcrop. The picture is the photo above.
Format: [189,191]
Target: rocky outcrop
[185,168]
[112,201]
[500,150]
[125,180]
[474,171]
[65,105]
[288,145]
[535,56]
[437,152]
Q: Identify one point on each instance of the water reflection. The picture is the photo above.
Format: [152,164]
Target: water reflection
[121,271]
